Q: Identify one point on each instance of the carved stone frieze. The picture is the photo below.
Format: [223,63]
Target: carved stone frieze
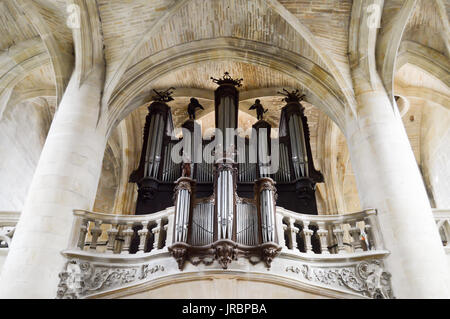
[367,278]
[146,270]
[80,278]
[179,252]
[224,251]
[269,253]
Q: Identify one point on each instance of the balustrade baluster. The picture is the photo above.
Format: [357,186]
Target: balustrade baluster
[446,231]
[170,230]
[347,238]
[83,232]
[166,234]
[308,237]
[292,234]
[127,234]
[332,242]
[96,231]
[143,237]
[339,232]
[157,234]
[112,234]
[375,239]
[355,232]
[323,235]
[281,229]
[369,233]
[364,238]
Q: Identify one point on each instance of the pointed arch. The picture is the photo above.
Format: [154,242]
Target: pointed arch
[323,90]
[62,61]
[388,44]
[343,83]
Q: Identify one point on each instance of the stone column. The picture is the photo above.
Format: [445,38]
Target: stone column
[389,180]
[66,177]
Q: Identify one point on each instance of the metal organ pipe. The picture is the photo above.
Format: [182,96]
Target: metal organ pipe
[265,190]
[183,205]
[149,145]
[301,148]
[246,223]
[153,144]
[294,146]
[159,141]
[230,200]
[155,139]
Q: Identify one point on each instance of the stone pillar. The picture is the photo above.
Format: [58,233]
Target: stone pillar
[66,177]
[389,180]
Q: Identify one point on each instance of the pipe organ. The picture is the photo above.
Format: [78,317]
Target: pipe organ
[156,172]
[224,190]
[297,175]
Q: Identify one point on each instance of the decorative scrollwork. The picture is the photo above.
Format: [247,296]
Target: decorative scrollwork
[269,253]
[163,96]
[225,253]
[80,279]
[266,183]
[227,79]
[179,252]
[146,270]
[367,278]
[220,167]
[183,184]
[294,96]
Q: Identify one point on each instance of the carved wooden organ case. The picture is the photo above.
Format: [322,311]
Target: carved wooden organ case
[225,208]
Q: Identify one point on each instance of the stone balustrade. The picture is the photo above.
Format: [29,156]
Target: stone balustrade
[122,234]
[329,234]
[442,218]
[343,253]
[323,234]
[338,256]
[8,221]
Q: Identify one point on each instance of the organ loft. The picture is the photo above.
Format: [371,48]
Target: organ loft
[226,194]
[224,149]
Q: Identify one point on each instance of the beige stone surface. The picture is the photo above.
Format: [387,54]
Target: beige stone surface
[224,287]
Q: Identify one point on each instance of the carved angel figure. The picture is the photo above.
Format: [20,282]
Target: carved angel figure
[259,109]
[193,105]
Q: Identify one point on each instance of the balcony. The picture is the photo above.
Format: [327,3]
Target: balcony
[338,256]
[119,251]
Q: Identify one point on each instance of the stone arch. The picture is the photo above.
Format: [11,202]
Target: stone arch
[18,62]
[428,59]
[322,89]
[389,42]
[60,56]
[343,83]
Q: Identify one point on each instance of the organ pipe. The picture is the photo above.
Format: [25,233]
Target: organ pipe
[293,123]
[224,225]
[183,191]
[262,129]
[266,197]
[155,129]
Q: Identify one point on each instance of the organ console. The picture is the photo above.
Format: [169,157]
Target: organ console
[225,190]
